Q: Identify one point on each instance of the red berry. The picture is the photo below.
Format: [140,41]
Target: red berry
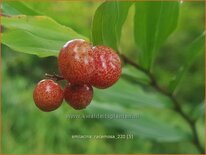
[76,62]
[107,67]
[78,96]
[48,95]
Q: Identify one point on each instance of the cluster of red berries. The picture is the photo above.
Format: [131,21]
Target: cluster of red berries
[83,66]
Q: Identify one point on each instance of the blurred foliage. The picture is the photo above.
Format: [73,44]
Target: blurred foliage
[28,130]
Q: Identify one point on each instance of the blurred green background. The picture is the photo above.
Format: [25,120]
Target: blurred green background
[26,129]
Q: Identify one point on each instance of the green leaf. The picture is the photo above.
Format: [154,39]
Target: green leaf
[193,50]
[17,8]
[107,23]
[144,125]
[135,76]
[131,96]
[153,23]
[39,35]
[26,42]
[134,101]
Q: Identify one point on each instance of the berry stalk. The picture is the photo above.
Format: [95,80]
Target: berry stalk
[54,76]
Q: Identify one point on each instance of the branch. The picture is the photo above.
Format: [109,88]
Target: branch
[177,105]
[155,85]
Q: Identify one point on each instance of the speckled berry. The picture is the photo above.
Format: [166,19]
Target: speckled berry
[78,96]
[48,95]
[76,62]
[107,67]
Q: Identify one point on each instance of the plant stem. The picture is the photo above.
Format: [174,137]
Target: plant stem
[177,105]
[54,76]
